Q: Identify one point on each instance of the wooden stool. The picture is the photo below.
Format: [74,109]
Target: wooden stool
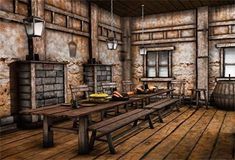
[197,93]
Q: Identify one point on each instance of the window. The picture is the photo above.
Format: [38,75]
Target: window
[158,64]
[229,62]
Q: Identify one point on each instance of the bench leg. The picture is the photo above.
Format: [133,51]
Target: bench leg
[150,121]
[102,113]
[160,116]
[110,143]
[75,122]
[135,123]
[177,106]
[126,107]
[92,141]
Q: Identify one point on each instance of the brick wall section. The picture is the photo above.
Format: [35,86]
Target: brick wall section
[95,75]
[49,84]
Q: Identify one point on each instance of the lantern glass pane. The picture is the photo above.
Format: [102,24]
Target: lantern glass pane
[110,45]
[38,28]
[29,28]
[142,51]
[115,44]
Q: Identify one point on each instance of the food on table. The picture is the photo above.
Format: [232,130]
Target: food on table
[130,93]
[117,94]
[99,97]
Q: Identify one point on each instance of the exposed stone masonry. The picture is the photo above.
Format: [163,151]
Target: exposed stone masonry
[49,84]
[40,84]
[95,75]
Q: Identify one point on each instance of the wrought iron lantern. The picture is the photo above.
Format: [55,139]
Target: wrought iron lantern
[112,43]
[34,26]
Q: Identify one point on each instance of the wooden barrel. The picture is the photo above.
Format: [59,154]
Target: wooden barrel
[224,95]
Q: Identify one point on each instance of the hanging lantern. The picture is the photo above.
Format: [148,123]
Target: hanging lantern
[34,26]
[72,49]
[112,43]
[143,50]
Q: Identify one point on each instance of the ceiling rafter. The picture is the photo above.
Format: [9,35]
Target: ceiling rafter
[132,8]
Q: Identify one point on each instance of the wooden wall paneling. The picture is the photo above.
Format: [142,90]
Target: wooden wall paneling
[67,22]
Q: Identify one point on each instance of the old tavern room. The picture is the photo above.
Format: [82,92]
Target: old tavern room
[117,79]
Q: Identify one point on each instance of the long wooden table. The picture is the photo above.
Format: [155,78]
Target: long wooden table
[146,97]
[62,110]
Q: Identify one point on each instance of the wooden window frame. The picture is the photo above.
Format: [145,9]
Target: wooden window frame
[157,64]
[226,64]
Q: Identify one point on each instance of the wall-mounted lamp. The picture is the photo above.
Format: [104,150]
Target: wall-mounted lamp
[34,26]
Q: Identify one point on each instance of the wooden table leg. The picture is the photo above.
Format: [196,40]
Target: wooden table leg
[206,101]
[191,98]
[197,99]
[47,132]
[83,137]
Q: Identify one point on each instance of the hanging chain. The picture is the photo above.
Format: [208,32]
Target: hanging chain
[142,23]
[112,17]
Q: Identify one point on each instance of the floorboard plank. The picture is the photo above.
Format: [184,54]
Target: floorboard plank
[138,151]
[34,142]
[189,134]
[183,149]
[131,142]
[103,150]
[224,145]
[159,151]
[205,145]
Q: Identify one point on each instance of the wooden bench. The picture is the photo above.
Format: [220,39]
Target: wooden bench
[106,127]
[161,104]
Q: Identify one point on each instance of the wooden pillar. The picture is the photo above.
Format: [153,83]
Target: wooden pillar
[126,55]
[202,58]
[94,31]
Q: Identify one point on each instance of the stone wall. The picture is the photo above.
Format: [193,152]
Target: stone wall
[178,29]
[167,30]
[66,21]
[222,31]
[110,56]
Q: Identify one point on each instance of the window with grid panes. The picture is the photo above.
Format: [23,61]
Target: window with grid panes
[229,62]
[158,64]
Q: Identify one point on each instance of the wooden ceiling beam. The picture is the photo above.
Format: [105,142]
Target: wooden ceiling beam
[132,8]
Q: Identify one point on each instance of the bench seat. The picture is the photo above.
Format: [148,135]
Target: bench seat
[161,104]
[106,127]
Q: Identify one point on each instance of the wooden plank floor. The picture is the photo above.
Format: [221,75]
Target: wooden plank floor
[189,134]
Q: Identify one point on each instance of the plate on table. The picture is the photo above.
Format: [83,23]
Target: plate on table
[87,104]
[65,104]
